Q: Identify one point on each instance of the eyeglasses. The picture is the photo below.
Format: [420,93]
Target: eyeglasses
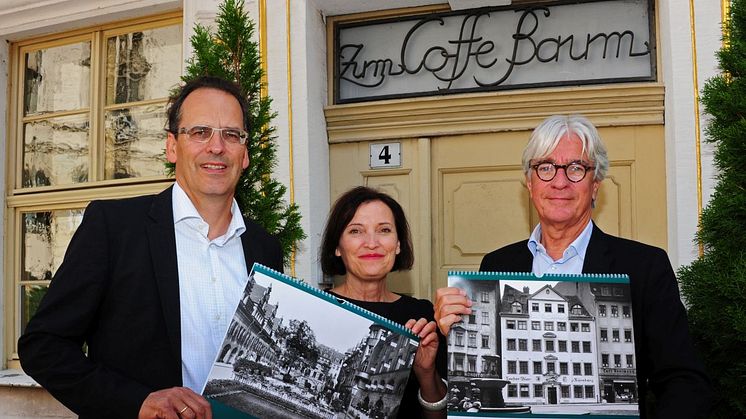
[574,171]
[203,134]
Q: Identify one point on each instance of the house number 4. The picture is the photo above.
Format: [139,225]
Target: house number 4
[385,155]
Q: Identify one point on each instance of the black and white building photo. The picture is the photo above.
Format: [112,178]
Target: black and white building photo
[564,347]
[290,353]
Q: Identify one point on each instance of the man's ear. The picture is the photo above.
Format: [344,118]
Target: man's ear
[171,147]
[596,185]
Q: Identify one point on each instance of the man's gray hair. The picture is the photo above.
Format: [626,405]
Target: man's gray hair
[547,135]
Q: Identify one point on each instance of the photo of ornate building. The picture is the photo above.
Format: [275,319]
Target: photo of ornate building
[281,353]
[549,347]
[552,346]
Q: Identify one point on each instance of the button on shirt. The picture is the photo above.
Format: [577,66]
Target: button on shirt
[212,278]
[572,258]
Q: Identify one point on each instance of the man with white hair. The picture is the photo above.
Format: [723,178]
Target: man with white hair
[564,163]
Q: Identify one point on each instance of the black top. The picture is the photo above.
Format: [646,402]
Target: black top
[400,311]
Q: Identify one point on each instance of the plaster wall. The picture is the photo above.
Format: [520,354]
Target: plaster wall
[681,134]
[3,143]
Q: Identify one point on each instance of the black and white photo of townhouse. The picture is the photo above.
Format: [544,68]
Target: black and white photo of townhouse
[545,346]
[291,354]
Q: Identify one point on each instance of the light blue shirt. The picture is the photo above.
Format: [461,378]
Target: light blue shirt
[212,278]
[572,258]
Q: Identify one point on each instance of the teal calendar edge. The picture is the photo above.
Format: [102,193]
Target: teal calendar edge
[528,276]
[221,411]
[536,415]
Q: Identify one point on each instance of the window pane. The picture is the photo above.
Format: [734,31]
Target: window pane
[57,79]
[55,151]
[45,238]
[135,141]
[142,65]
[31,296]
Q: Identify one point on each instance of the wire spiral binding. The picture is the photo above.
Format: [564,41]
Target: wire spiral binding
[528,276]
[301,285]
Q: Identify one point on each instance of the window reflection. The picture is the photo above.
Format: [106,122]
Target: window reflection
[57,79]
[142,65]
[45,236]
[135,141]
[31,296]
[55,151]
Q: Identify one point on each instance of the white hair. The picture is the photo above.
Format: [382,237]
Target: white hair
[547,135]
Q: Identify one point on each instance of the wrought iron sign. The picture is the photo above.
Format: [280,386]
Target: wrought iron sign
[551,44]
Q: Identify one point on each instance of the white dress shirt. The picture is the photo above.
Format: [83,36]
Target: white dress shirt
[572,258]
[212,278]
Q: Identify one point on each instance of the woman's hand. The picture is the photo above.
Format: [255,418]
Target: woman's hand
[432,388]
[424,361]
[450,304]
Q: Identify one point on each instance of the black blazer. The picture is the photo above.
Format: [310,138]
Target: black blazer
[666,360]
[117,291]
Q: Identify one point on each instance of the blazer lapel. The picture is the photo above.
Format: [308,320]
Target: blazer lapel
[162,240]
[524,260]
[249,252]
[598,257]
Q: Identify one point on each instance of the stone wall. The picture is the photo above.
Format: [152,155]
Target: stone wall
[30,403]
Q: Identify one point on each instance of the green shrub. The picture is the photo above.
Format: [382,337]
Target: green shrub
[715,284]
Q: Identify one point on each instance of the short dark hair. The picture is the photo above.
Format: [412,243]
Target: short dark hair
[344,210]
[178,96]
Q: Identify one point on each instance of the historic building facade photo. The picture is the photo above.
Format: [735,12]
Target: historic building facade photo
[549,351]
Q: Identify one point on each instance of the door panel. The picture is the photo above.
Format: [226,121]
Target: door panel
[479,198]
[475,207]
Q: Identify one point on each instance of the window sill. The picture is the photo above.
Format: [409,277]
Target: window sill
[16,378]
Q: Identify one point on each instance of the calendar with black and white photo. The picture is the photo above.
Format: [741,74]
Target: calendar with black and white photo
[557,345]
[294,351]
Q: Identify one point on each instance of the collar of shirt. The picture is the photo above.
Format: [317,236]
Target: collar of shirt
[186,213]
[572,258]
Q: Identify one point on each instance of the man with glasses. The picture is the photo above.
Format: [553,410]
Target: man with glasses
[149,284]
[564,164]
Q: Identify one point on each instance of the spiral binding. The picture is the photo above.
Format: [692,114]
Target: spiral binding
[529,276]
[297,283]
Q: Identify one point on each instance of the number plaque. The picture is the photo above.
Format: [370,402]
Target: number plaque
[385,155]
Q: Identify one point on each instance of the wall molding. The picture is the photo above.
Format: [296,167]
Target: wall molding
[517,110]
[34,18]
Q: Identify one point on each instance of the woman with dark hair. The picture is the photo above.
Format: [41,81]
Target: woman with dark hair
[366,237]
